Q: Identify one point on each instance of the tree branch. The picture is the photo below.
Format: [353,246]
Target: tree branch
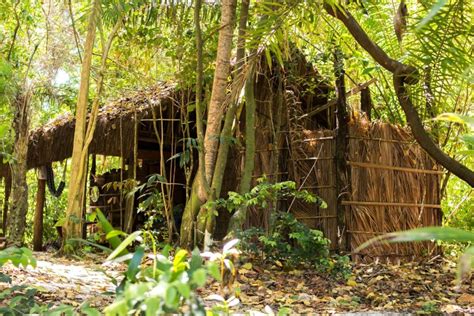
[402,74]
[424,139]
[377,53]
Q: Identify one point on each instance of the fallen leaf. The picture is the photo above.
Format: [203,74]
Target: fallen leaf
[351,282]
[466,298]
[247,266]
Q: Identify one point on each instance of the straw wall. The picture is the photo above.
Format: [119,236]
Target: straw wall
[394,186]
[313,169]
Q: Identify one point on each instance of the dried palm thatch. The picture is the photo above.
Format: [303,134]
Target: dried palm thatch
[312,168]
[114,133]
[394,186]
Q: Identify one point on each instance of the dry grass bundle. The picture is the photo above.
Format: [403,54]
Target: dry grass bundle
[395,186]
[313,169]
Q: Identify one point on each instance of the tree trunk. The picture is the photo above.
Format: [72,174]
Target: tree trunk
[203,189]
[238,218]
[219,85]
[238,82]
[19,196]
[402,74]
[422,137]
[214,119]
[6,201]
[366,103]
[39,209]
[188,221]
[84,137]
[73,227]
[342,143]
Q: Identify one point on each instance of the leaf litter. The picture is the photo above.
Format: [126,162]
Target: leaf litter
[424,288]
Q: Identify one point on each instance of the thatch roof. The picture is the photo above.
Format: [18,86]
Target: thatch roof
[113,134]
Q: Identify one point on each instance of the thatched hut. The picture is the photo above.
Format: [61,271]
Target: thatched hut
[142,128]
[389,182]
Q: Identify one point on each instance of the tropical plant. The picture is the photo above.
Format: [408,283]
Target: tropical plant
[288,241]
[265,195]
[158,283]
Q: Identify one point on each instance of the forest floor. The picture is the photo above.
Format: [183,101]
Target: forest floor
[417,288]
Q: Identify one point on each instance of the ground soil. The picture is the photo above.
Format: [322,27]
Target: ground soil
[427,287]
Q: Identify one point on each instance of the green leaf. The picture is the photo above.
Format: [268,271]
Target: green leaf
[134,264]
[449,234]
[122,247]
[152,306]
[119,307]
[434,10]
[213,270]
[196,261]
[199,277]
[107,227]
[468,139]
[115,233]
[184,289]
[180,257]
[269,58]
[171,296]
[456,118]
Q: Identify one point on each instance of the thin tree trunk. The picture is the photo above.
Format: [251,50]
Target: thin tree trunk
[200,186]
[188,221]
[76,196]
[19,196]
[218,95]
[230,116]
[214,119]
[73,227]
[203,190]
[342,143]
[238,218]
[6,201]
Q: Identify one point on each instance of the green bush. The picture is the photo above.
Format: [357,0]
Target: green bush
[166,285]
[265,195]
[288,241]
[294,245]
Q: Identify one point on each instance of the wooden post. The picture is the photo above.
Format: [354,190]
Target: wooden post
[8,189]
[366,102]
[40,201]
[130,199]
[343,179]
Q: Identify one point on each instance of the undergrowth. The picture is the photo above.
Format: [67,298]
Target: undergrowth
[292,244]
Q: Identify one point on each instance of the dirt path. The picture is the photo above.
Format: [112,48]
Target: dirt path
[415,288]
[59,280]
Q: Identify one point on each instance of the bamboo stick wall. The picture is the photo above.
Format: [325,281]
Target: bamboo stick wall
[394,186]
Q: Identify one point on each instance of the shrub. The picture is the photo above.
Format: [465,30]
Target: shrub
[165,285]
[288,241]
